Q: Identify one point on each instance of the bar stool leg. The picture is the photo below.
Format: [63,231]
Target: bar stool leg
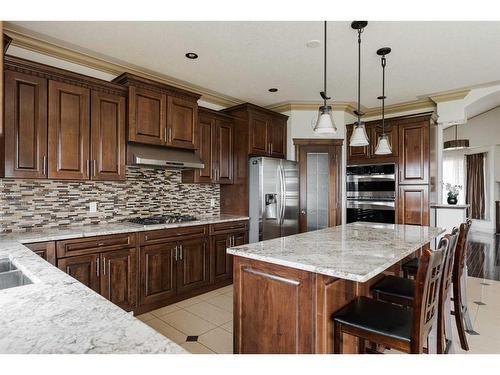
[465,309]
[448,342]
[432,341]
[459,316]
[337,338]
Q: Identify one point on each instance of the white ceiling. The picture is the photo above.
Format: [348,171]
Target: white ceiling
[244,59]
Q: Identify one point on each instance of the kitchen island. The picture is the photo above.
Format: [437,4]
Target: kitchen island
[286,289]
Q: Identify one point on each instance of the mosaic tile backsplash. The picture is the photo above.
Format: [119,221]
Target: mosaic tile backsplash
[41,204]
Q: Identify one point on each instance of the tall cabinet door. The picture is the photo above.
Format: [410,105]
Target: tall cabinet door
[25,125]
[147,116]
[258,134]
[108,136]
[84,268]
[181,123]
[413,207]
[414,153]
[224,152]
[119,277]
[157,272]
[68,131]
[277,135]
[205,149]
[222,262]
[193,265]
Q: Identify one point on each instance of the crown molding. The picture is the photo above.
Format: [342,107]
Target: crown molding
[449,96]
[414,105]
[310,106]
[37,43]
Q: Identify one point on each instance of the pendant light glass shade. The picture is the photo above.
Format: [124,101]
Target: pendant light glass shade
[383,146]
[325,124]
[359,137]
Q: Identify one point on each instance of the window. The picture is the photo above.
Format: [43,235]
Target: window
[454,172]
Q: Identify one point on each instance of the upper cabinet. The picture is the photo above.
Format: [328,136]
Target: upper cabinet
[25,125]
[159,114]
[215,147]
[264,129]
[414,152]
[61,125]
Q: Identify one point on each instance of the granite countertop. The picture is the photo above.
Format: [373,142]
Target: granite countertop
[57,234]
[446,205]
[356,251]
[57,314]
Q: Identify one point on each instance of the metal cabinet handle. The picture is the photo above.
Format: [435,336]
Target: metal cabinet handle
[271,147]
[44,166]
[97,266]
[176,249]
[104,266]
[181,251]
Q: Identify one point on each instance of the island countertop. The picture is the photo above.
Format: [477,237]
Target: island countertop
[356,251]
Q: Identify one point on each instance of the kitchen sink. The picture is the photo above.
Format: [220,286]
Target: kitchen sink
[10,276]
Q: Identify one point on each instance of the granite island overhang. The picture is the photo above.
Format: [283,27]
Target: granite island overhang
[286,289]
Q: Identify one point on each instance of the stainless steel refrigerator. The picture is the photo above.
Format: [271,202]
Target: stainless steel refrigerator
[273,198]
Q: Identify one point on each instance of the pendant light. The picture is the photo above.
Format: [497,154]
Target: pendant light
[324,123]
[383,145]
[456,144]
[359,137]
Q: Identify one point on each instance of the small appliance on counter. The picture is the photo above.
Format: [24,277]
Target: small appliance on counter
[162,219]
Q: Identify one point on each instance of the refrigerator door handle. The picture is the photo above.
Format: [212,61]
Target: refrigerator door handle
[283,191]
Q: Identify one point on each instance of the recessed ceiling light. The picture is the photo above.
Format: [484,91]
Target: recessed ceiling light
[191,55]
[273,89]
[313,43]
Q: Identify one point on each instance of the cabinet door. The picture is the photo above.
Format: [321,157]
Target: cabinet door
[25,126]
[46,250]
[147,119]
[157,272]
[413,207]
[414,153]
[240,238]
[359,153]
[68,131]
[222,263]
[193,270]
[206,149]
[224,152]
[119,277]
[108,136]
[259,143]
[181,123]
[83,268]
[392,135]
[277,135]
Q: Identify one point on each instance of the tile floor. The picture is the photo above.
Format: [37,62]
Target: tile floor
[201,325]
[204,324]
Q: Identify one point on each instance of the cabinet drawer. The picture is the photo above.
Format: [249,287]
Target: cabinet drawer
[230,226]
[157,236]
[79,246]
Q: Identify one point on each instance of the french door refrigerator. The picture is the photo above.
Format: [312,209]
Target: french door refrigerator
[273,198]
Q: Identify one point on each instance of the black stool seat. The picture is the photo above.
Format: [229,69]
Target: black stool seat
[377,317]
[397,287]
[410,267]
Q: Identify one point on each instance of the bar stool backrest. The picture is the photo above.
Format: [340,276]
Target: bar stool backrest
[425,302]
[461,251]
[449,261]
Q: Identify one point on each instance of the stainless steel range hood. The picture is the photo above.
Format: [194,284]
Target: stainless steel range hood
[169,158]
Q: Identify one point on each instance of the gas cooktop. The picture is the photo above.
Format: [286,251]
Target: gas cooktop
[162,219]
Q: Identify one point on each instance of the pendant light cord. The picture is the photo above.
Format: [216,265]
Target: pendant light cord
[324,69]
[359,75]
[383,94]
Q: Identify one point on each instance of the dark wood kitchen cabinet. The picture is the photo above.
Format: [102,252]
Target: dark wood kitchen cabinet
[84,268]
[108,136]
[45,250]
[193,264]
[68,131]
[25,118]
[159,114]
[157,280]
[413,205]
[215,148]
[258,126]
[414,152]
[277,137]
[61,125]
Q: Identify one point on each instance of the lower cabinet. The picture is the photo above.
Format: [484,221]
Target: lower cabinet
[113,274]
[193,265]
[46,250]
[413,205]
[222,262]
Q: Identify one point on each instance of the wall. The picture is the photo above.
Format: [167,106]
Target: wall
[483,133]
[42,204]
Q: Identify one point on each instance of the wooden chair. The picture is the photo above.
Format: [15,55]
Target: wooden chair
[401,291]
[460,309]
[394,326]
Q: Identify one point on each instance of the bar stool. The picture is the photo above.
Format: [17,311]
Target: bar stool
[460,308]
[394,326]
[401,291]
